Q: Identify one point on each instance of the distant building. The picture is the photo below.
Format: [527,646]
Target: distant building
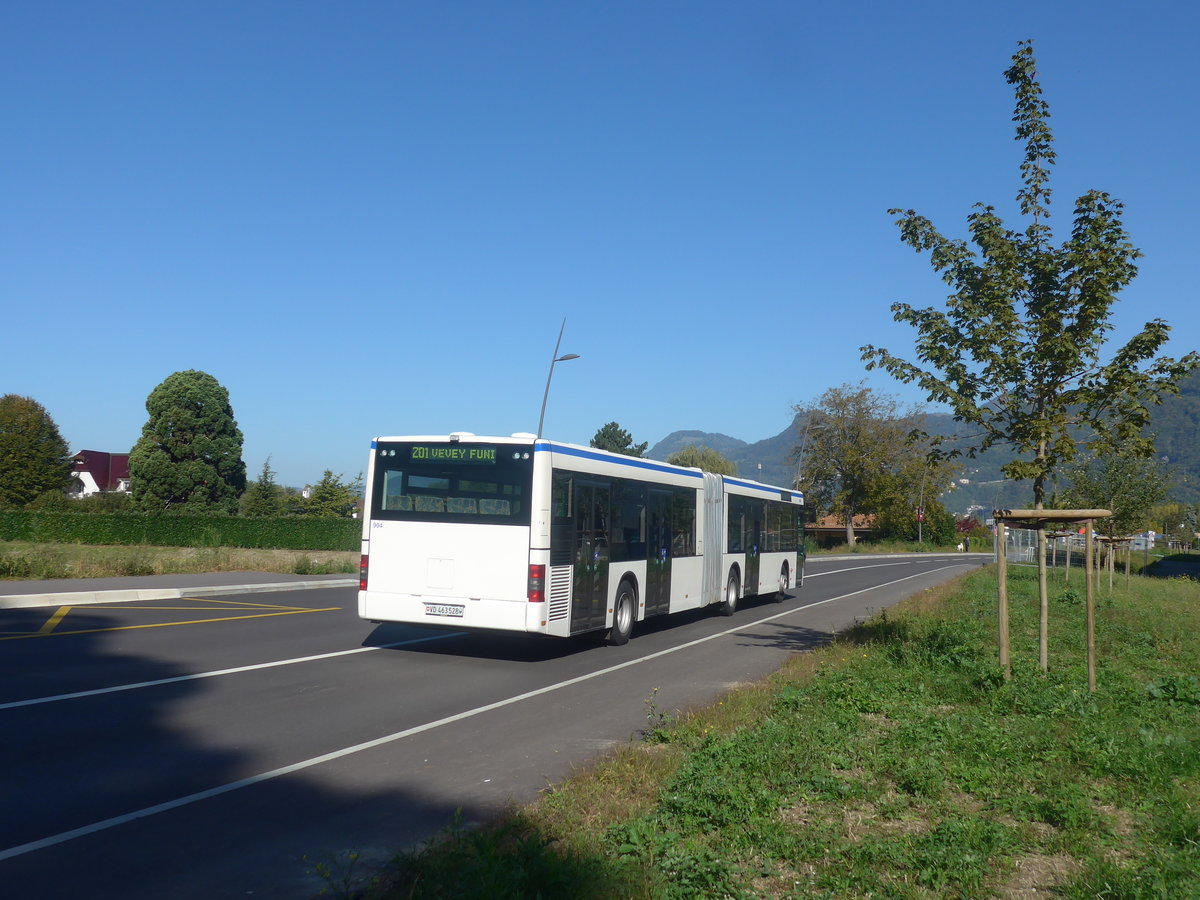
[829,531]
[97,472]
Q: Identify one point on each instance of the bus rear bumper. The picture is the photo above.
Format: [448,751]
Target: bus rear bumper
[460,612]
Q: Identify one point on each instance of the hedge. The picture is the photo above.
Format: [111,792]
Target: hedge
[290,533]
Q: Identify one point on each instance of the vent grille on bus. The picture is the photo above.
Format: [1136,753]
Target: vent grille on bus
[560,592]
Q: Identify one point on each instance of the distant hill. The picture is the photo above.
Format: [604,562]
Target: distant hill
[1176,424]
[773,454]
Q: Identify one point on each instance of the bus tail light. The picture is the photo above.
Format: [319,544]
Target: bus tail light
[362,573]
[537,583]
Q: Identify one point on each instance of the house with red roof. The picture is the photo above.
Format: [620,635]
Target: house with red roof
[97,472]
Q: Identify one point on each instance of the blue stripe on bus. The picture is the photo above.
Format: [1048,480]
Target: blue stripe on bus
[631,461]
[761,487]
[374,445]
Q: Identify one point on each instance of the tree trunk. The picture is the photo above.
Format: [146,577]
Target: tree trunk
[1039,493]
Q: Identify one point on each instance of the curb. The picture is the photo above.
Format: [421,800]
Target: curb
[85,598]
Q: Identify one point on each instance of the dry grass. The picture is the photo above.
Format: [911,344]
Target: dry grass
[30,562]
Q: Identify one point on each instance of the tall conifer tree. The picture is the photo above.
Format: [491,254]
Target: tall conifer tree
[189,456]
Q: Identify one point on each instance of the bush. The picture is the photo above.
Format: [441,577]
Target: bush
[181,530]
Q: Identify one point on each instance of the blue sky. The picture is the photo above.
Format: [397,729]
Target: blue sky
[371,218]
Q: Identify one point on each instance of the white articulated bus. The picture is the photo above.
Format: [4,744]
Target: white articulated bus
[525,534]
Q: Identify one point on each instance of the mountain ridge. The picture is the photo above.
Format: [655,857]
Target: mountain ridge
[1175,423]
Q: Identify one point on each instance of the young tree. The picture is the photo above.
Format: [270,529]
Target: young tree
[705,458]
[857,454]
[1129,486]
[615,439]
[1017,352]
[189,456]
[34,458]
[263,498]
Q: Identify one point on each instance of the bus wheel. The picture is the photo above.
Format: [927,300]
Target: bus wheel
[622,626]
[728,606]
[781,594]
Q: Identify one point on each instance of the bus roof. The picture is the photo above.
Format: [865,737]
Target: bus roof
[544,444]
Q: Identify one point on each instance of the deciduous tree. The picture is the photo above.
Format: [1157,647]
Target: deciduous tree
[1128,486]
[189,456]
[859,453]
[705,458]
[1018,351]
[34,458]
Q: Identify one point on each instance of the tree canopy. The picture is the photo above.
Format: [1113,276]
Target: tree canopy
[705,458]
[1018,351]
[859,452]
[189,456]
[34,458]
[1128,486]
[615,439]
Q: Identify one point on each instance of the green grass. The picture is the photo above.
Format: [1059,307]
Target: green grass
[872,547]
[895,763]
[24,561]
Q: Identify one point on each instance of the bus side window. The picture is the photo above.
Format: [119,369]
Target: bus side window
[560,496]
[683,522]
[737,517]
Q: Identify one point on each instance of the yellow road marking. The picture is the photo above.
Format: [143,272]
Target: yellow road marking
[53,621]
[289,612]
[240,603]
[194,608]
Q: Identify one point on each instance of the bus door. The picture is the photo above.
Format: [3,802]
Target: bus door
[589,601]
[658,553]
[754,537]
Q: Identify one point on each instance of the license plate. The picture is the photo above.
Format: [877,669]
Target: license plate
[443,609]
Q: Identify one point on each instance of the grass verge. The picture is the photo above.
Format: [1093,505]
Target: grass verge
[27,562]
[897,762]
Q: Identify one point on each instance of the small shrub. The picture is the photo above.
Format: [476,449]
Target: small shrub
[1176,689]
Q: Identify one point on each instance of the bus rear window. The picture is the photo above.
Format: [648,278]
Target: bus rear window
[486,484]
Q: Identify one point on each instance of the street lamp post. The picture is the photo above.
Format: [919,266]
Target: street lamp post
[553,359]
[808,426]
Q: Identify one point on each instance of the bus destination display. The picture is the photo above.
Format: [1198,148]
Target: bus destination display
[463,455]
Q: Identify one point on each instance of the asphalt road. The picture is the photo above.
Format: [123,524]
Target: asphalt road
[209,747]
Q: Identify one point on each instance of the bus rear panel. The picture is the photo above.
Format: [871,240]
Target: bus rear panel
[446,535]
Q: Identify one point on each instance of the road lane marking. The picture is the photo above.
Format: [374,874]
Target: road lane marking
[53,621]
[246,603]
[105,824]
[808,575]
[287,612]
[116,689]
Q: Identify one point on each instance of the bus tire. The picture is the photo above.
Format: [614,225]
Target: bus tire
[728,606]
[781,594]
[623,613]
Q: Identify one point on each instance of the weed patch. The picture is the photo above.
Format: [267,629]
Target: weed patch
[898,762]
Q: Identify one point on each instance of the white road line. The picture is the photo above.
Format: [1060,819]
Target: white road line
[95,692]
[34,701]
[808,574]
[113,822]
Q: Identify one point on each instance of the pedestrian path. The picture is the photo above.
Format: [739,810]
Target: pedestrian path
[84,591]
